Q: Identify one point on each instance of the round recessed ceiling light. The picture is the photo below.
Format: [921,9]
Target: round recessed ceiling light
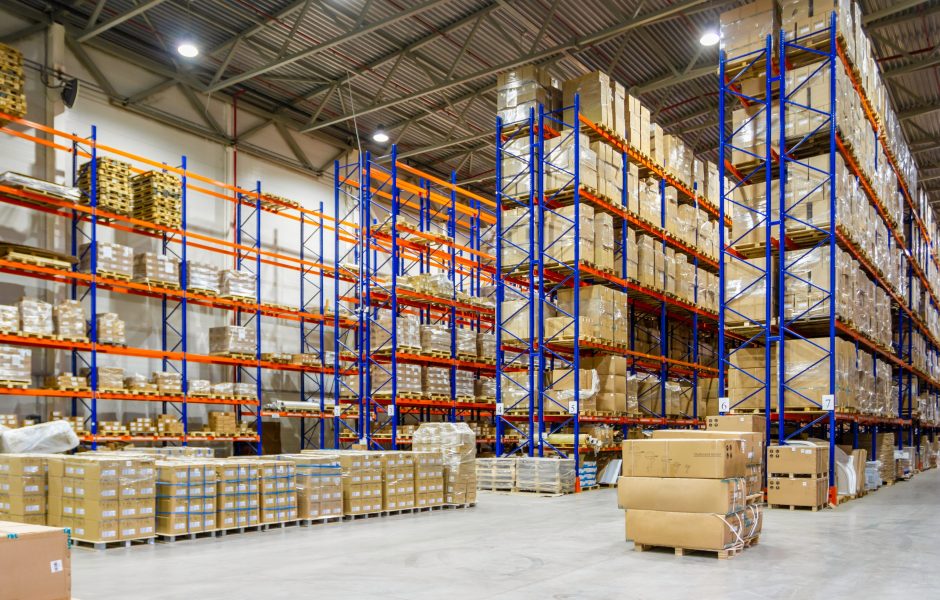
[380,136]
[188,50]
[709,38]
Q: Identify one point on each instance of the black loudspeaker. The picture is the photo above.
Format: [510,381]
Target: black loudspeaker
[70,92]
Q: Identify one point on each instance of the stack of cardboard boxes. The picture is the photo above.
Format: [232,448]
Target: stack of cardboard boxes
[398,480]
[429,478]
[319,485]
[798,476]
[688,494]
[186,497]
[277,488]
[237,491]
[102,498]
[23,488]
[457,445]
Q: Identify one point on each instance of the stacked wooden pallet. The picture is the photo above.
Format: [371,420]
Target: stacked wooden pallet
[12,94]
[113,185]
[158,198]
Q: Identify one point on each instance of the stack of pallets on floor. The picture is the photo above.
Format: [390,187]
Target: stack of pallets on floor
[12,94]
[158,198]
[113,185]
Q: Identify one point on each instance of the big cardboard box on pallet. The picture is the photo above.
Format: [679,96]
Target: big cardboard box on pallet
[798,460]
[797,491]
[698,531]
[684,458]
[673,494]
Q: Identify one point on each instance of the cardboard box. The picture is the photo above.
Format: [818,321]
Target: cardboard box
[798,460]
[755,423]
[798,491]
[694,531]
[36,562]
[709,459]
[718,496]
[753,442]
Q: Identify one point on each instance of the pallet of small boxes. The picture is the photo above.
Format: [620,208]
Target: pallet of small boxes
[690,493]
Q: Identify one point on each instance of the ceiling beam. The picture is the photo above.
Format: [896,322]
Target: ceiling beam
[927,62]
[117,20]
[671,80]
[918,111]
[323,46]
[889,16]
[571,45]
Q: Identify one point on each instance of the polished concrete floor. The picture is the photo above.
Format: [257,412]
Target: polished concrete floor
[886,545]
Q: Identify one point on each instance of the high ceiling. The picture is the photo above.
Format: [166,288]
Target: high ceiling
[426,69]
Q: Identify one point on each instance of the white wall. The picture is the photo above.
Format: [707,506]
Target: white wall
[130,132]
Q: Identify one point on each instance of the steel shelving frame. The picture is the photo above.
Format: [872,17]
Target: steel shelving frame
[824,50]
[246,251]
[535,275]
[384,246]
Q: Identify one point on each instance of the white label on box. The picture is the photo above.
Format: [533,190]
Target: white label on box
[55,566]
[275,415]
[828,402]
[499,409]
[724,404]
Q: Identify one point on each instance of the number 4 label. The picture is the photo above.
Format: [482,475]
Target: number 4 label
[828,402]
[724,404]
[499,409]
[390,409]
[337,410]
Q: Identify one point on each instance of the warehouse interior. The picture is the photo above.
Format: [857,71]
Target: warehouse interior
[442,283]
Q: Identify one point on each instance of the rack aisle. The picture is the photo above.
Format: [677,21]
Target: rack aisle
[87,279]
[562,353]
[822,270]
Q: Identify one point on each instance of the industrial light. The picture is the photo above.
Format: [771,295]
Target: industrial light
[380,136]
[188,50]
[709,38]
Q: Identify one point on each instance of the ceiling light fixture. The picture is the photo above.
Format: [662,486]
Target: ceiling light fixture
[188,50]
[380,136]
[709,38]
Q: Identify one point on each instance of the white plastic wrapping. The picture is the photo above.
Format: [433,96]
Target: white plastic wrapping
[45,438]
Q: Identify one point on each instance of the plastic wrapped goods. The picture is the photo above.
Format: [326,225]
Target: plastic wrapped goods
[202,277]
[486,346]
[436,381]
[435,339]
[463,384]
[199,387]
[232,339]
[70,320]
[408,378]
[319,485]
[9,319]
[456,443]
[233,282]
[168,382]
[109,378]
[485,387]
[156,268]
[246,390]
[547,475]
[110,329]
[35,317]
[15,363]
[407,332]
[111,259]
[51,437]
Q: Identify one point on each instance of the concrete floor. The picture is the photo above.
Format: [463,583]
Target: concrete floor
[884,546]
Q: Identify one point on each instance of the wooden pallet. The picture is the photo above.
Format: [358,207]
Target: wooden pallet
[236,355]
[157,283]
[35,256]
[435,353]
[113,275]
[14,384]
[99,545]
[203,291]
[237,298]
[721,554]
[796,507]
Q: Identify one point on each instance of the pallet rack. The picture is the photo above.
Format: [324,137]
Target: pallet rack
[376,246]
[536,275]
[247,252]
[780,219]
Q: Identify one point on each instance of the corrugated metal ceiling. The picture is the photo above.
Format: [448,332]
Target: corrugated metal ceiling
[368,68]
